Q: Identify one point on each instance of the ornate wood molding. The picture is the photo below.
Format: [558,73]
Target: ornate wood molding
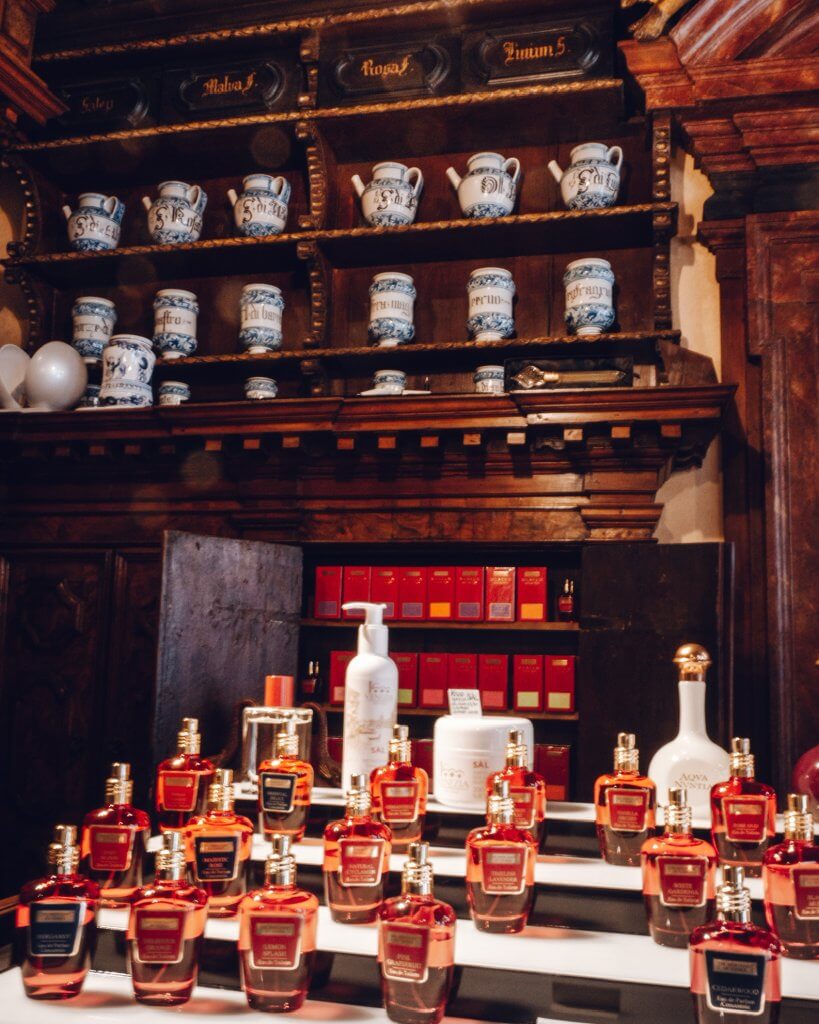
[24,91]
[317,175]
[318,272]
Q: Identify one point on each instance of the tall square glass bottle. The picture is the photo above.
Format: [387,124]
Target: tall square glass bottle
[399,792]
[624,803]
[790,878]
[743,813]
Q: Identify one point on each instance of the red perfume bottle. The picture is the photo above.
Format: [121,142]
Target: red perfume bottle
[566,609]
[312,686]
[416,946]
[678,876]
[114,839]
[56,923]
[217,849]
[735,965]
[165,930]
[527,788]
[277,936]
[356,855]
[182,780]
[790,878]
[399,792]
[743,813]
[285,788]
[500,867]
[624,802]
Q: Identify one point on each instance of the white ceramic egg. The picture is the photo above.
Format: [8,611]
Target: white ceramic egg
[56,377]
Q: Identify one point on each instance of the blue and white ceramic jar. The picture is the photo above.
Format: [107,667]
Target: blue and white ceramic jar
[127,365]
[589,287]
[96,223]
[260,389]
[592,179]
[391,198]
[175,217]
[491,292]
[261,209]
[173,392]
[489,187]
[489,380]
[175,313]
[93,320]
[389,382]
[90,397]
[392,309]
[260,311]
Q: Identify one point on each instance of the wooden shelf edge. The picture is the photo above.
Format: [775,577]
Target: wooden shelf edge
[501,627]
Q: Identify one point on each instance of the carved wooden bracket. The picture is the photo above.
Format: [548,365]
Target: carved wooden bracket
[32,219]
[309,51]
[34,304]
[317,176]
[318,272]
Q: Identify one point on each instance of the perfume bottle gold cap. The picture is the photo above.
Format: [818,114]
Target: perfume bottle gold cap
[677,796]
[170,858]
[733,898]
[741,760]
[798,802]
[119,788]
[626,754]
[798,821]
[517,753]
[693,662]
[287,740]
[400,749]
[220,792]
[678,814]
[63,852]
[280,866]
[188,739]
[358,795]
[417,874]
[499,804]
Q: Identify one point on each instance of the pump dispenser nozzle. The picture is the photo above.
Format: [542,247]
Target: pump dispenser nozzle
[372,633]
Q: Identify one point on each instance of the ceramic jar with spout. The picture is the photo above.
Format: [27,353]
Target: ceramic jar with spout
[391,198]
[491,291]
[127,365]
[261,209]
[392,307]
[589,287]
[175,217]
[175,313]
[592,179]
[489,187]
[260,309]
[93,320]
[96,223]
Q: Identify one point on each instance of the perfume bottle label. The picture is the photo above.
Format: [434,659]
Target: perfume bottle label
[55,927]
[275,941]
[503,867]
[744,818]
[682,881]
[216,858]
[523,799]
[179,790]
[278,791]
[565,604]
[405,952]
[361,861]
[399,802]
[159,935]
[806,890]
[111,847]
[627,809]
[736,982]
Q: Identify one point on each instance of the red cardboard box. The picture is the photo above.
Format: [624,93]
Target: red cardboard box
[327,604]
[433,680]
[440,591]
[463,671]
[469,593]
[500,593]
[412,593]
[339,660]
[356,588]
[527,682]
[384,589]
[552,762]
[493,681]
[559,682]
[531,594]
[407,678]
[422,757]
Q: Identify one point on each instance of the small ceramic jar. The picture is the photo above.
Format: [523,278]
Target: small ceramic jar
[489,380]
[592,179]
[390,382]
[260,310]
[261,209]
[259,389]
[391,198]
[92,321]
[488,189]
[392,307]
[96,223]
[589,287]
[90,397]
[127,364]
[173,392]
[491,292]
[175,313]
[175,217]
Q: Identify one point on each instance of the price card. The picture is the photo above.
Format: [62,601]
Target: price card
[464,702]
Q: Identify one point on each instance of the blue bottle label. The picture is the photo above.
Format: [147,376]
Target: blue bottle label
[54,927]
[736,981]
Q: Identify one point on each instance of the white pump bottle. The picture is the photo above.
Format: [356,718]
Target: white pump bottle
[370,696]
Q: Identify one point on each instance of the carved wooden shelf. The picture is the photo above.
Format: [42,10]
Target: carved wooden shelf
[539,716]
[500,627]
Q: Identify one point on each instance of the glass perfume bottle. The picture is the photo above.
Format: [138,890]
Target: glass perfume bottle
[182,780]
[114,839]
[165,930]
[678,876]
[790,878]
[416,946]
[285,787]
[356,855]
[743,813]
[500,867]
[625,803]
[566,610]
[56,923]
[399,792]
[217,849]
[312,687]
[735,965]
[277,936]
[527,788]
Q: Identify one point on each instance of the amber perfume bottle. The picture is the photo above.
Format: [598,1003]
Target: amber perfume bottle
[56,923]
[735,965]
[790,877]
[625,803]
[285,787]
[356,855]
[678,876]
[312,687]
[566,609]
[500,867]
[416,946]
[165,930]
[277,936]
[182,780]
[527,788]
[114,839]
[217,849]
[743,813]
[399,792]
